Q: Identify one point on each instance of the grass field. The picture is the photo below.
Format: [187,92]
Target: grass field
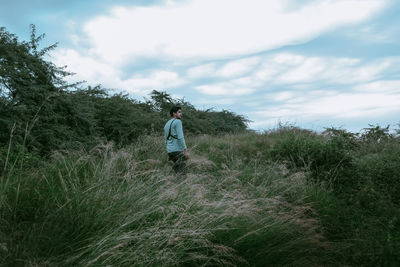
[288,197]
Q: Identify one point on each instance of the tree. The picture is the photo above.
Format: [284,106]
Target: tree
[27,85]
[44,114]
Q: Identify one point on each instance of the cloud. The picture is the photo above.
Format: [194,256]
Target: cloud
[282,96]
[288,59]
[237,67]
[156,80]
[220,102]
[94,71]
[204,70]
[215,29]
[352,105]
[296,69]
[328,106]
[266,73]
[382,86]
[223,89]
[343,73]
[86,68]
[306,71]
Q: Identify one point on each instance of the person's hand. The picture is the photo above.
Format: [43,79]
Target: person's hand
[186,154]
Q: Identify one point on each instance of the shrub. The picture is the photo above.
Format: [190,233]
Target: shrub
[329,159]
[382,170]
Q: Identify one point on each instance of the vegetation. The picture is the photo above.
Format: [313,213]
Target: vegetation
[245,201]
[85,182]
[43,112]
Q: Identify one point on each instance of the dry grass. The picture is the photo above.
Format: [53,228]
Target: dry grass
[125,207]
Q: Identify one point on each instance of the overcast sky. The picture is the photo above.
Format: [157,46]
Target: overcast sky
[310,63]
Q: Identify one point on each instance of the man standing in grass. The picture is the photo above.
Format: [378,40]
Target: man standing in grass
[175,141]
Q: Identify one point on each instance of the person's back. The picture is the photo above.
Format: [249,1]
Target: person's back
[175,141]
[173,136]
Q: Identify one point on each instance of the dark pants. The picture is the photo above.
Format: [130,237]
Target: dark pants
[179,160]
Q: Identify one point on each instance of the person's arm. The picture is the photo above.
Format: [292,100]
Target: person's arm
[181,138]
[179,135]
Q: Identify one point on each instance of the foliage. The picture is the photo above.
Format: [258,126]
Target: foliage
[199,121]
[50,114]
[360,176]
[35,97]
[376,134]
[329,159]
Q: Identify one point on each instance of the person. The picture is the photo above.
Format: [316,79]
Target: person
[175,141]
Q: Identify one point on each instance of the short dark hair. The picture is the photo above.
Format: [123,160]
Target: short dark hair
[174,110]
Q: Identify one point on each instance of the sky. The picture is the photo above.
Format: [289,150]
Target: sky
[314,64]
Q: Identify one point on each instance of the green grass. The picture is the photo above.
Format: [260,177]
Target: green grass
[284,198]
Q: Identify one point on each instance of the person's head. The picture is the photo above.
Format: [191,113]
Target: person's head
[176,112]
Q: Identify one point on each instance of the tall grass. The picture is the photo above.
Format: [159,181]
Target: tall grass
[360,209]
[125,207]
[247,200]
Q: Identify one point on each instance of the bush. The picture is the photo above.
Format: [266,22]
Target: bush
[382,170]
[329,158]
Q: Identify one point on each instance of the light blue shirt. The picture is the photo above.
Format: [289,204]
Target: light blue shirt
[177,143]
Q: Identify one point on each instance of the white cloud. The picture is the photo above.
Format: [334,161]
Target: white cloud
[346,74]
[86,68]
[387,87]
[283,96]
[204,29]
[214,29]
[156,80]
[223,89]
[295,69]
[329,106]
[231,69]
[308,70]
[353,105]
[245,81]
[205,70]
[288,59]
[265,73]
[220,102]
[94,71]
[237,67]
